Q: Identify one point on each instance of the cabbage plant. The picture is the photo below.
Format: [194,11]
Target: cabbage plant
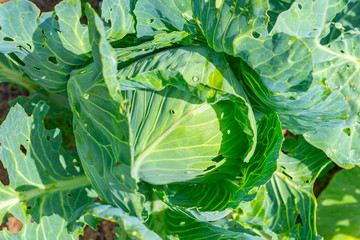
[177,109]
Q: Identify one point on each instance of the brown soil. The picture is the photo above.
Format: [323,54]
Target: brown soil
[320,186]
[104,231]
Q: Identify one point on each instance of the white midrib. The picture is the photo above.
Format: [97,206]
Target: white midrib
[141,157]
[63,185]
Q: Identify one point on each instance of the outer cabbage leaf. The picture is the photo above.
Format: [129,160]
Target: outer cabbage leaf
[239,29]
[127,55]
[179,227]
[60,108]
[160,16]
[275,8]
[307,18]
[286,205]
[349,17]
[346,20]
[102,137]
[337,67]
[46,185]
[47,47]
[9,72]
[284,63]
[317,108]
[130,225]
[118,13]
[338,211]
[176,226]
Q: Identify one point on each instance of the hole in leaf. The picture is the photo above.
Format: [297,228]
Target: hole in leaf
[23,149]
[342,51]
[172,111]
[287,175]
[76,163]
[69,195]
[217,158]
[7,39]
[150,20]
[16,59]
[347,131]
[255,34]
[48,138]
[307,181]
[209,168]
[300,6]
[29,207]
[4,175]
[53,60]
[111,9]
[299,220]
[56,17]
[36,68]
[0,28]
